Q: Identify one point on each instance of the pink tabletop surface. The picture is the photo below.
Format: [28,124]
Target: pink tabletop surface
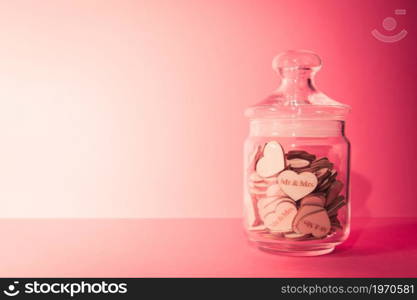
[193,247]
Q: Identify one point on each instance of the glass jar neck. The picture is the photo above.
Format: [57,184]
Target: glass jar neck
[296,128]
[296,86]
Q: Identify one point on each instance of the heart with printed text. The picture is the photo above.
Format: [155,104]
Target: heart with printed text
[317,223]
[278,215]
[297,185]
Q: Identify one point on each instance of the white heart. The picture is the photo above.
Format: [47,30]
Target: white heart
[281,219]
[316,223]
[297,185]
[274,190]
[273,160]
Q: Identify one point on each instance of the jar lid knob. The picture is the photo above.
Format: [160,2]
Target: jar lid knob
[297,96]
[296,60]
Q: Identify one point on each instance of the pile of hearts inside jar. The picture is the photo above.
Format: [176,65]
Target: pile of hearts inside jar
[294,195]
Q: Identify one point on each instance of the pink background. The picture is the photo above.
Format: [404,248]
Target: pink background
[135,108]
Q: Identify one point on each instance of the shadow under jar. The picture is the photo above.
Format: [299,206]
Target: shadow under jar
[296,179]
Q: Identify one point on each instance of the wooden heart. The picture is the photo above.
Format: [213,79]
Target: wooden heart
[297,185]
[333,192]
[254,157]
[269,204]
[295,236]
[314,199]
[304,211]
[316,223]
[265,202]
[254,177]
[275,190]
[273,160]
[281,218]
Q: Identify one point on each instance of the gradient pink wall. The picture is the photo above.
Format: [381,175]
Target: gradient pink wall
[135,108]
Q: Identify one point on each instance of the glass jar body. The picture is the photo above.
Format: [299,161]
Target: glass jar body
[285,212]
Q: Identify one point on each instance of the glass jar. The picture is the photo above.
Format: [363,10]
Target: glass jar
[296,177]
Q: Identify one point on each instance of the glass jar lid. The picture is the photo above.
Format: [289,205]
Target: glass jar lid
[297,97]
